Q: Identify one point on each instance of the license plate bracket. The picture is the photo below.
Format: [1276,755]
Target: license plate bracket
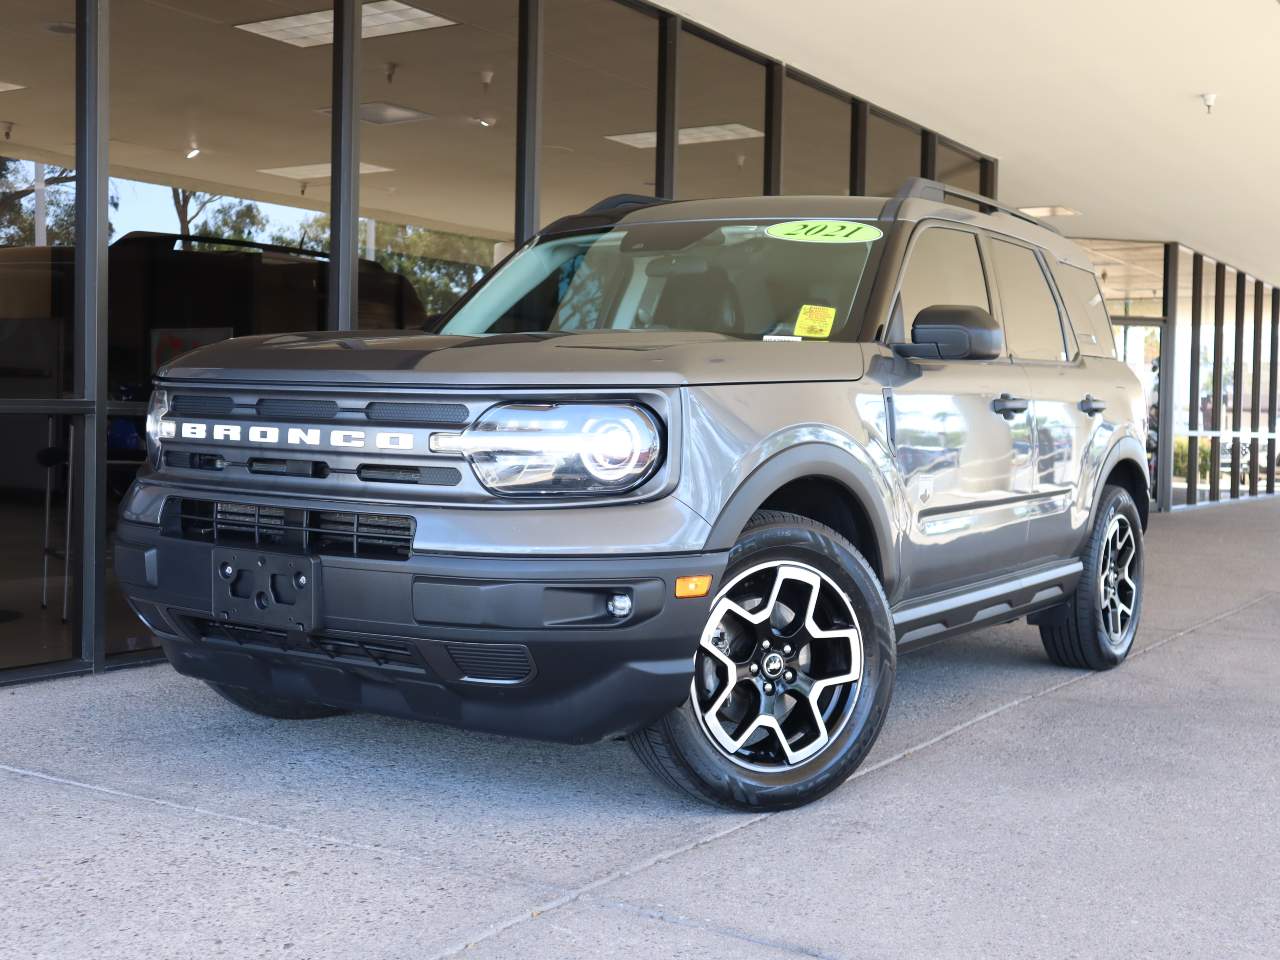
[272,590]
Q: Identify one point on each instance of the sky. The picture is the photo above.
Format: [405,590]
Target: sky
[146,206]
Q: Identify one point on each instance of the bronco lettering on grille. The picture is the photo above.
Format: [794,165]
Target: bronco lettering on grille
[295,436]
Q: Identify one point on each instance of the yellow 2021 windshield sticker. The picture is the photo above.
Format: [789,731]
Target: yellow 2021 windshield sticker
[825,231]
[815,321]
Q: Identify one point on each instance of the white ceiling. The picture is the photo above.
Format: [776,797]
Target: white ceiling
[1093,104]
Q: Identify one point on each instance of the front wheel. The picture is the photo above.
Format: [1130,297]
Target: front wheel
[1095,629]
[792,676]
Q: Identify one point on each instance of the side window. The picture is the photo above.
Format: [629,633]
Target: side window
[1088,310]
[1032,326]
[944,268]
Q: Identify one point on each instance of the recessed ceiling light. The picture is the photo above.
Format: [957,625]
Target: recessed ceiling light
[60,26]
[193,153]
[485,121]
[6,87]
[382,112]
[711,133]
[378,19]
[1050,211]
[318,171]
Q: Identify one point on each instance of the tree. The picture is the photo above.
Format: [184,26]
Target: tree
[183,202]
[441,266]
[17,204]
[233,220]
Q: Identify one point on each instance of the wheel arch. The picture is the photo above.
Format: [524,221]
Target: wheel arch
[1126,467]
[823,483]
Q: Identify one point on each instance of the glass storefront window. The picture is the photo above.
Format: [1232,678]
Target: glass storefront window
[1260,385]
[37,330]
[37,583]
[1131,274]
[219,201]
[1242,387]
[37,197]
[1195,451]
[599,103]
[816,132]
[958,168]
[437,159]
[893,154]
[720,151]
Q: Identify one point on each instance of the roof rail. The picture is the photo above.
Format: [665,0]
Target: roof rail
[624,200]
[925,189]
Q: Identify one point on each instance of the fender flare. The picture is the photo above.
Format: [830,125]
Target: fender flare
[1128,448]
[822,460]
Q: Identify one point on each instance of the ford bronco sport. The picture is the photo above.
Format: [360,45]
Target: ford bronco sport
[690,473]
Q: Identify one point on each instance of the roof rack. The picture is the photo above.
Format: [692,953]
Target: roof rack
[925,189]
[624,200]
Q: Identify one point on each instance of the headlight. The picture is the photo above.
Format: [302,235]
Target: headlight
[158,428]
[520,449]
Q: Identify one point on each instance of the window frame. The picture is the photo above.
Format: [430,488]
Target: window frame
[1070,346]
[896,330]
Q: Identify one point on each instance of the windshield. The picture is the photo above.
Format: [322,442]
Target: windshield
[794,279]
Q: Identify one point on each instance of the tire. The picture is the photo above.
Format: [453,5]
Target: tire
[1083,635]
[274,707]
[713,747]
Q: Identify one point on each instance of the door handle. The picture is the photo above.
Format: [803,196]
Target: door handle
[1092,405]
[1009,407]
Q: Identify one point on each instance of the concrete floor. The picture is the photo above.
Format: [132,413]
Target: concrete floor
[1011,808]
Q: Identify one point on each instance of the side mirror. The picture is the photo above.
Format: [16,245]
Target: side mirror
[954,332]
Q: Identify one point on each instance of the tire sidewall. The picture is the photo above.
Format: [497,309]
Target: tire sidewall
[791,786]
[1117,501]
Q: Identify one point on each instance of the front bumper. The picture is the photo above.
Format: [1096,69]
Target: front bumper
[513,646]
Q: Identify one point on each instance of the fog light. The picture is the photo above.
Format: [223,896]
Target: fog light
[619,605]
[689,587]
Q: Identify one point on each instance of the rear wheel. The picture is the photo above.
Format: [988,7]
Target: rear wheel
[792,676]
[1095,629]
[275,707]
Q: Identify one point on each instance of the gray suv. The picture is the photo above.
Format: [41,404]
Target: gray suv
[687,473]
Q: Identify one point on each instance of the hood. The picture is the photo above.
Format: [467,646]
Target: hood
[605,358]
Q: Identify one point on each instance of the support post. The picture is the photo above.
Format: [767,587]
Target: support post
[344,158]
[528,119]
[668,107]
[89,475]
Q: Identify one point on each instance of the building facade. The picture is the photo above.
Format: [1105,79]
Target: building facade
[176,173]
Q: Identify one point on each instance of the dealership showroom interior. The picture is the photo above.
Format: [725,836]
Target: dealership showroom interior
[704,478]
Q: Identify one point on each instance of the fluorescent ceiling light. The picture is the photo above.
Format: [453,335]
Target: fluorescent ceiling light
[381,112]
[378,19]
[318,171]
[1050,211]
[6,87]
[712,133]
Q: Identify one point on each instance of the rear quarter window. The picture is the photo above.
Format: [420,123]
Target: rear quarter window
[1088,312]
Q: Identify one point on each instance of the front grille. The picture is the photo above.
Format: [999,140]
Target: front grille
[447,414]
[390,473]
[273,408]
[373,536]
[491,662]
[381,651]
[200,405]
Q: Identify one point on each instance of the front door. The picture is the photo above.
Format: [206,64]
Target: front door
[966,465]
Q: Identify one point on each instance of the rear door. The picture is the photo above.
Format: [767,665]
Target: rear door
[1063,390]
[966,468]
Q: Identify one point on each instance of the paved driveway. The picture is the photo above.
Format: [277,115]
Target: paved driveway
[1010,809]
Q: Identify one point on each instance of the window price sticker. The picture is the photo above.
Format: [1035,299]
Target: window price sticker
[815,321]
